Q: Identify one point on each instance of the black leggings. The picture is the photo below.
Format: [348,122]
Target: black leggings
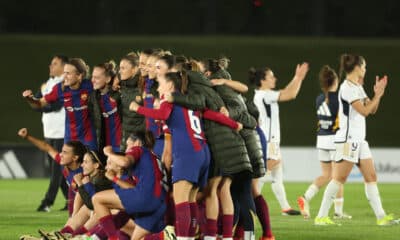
[243,200]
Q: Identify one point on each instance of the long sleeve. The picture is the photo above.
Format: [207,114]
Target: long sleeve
[160,114]
[220,118]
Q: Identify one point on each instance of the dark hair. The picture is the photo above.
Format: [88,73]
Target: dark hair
[132,58]
[348,62]
[110,69]
[256,75]
[327,77]
[147,51]
[78,149]
[179,79]
[80,66]
[146,137]
[169,60]
[64,59]
[182,63]
[212,65]
[95,156]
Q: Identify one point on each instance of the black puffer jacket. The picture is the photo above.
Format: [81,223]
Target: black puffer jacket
[238,111]
[131,121]
[228,151]
[99,183]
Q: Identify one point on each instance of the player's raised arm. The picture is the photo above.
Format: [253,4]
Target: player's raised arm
[292,89]
[32,101]
[42,145]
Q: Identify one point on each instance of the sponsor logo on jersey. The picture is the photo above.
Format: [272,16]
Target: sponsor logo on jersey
[84,96]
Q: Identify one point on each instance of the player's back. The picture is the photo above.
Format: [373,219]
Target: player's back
[186,128]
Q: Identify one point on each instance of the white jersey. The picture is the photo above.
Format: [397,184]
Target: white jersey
[267,104]
[53,122]
[351,123]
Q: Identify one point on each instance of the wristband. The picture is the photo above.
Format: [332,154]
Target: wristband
[115,179]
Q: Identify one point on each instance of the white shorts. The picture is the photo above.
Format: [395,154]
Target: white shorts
[352,151]
[326,155]
[326,142]
[274,151]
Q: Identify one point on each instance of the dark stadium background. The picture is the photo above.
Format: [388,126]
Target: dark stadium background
[278,34]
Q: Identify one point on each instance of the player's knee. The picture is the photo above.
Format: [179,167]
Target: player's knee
[370,177]
[96,199]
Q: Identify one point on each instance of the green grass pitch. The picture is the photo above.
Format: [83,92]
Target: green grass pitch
[19,199]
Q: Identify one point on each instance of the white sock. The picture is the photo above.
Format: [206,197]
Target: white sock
[278,188]
[249,235]
[329,194]
[261,181]
[182,238]
[372,193]
[339,206]
[311,191]
[210,237]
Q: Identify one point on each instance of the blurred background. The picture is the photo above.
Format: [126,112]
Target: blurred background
[278,34]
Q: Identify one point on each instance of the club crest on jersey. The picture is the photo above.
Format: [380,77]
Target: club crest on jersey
[84,96]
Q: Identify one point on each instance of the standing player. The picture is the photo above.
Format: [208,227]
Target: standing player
[53,119]
[129,88]
[328,123]
[73,93]
[105,106]
[351,146]
[266,100]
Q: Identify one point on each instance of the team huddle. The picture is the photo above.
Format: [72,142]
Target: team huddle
[167,147]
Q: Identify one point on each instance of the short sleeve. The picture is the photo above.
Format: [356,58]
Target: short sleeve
[351,94]
[57,159]
[134,152]
[270,96]
[53,95]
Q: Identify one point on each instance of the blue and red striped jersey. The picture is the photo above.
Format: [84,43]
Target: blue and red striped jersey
[147,171]
[112,122]
[78,125]
[185,125]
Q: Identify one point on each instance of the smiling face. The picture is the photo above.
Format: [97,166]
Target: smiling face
[161,68]
[151,67]
[165,86]
[71,76]
[89,165]
[99,78]
[142,64]
[67,155]
[126,70]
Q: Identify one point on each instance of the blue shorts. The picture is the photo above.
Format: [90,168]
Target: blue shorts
[152,222]
[190,165]
[159,147]
[135,201]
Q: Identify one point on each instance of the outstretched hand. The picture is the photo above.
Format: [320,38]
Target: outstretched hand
[23,132]
[27,93]
[380,85]
[301,70]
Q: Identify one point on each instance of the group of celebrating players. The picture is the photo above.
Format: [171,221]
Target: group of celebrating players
[167,147]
